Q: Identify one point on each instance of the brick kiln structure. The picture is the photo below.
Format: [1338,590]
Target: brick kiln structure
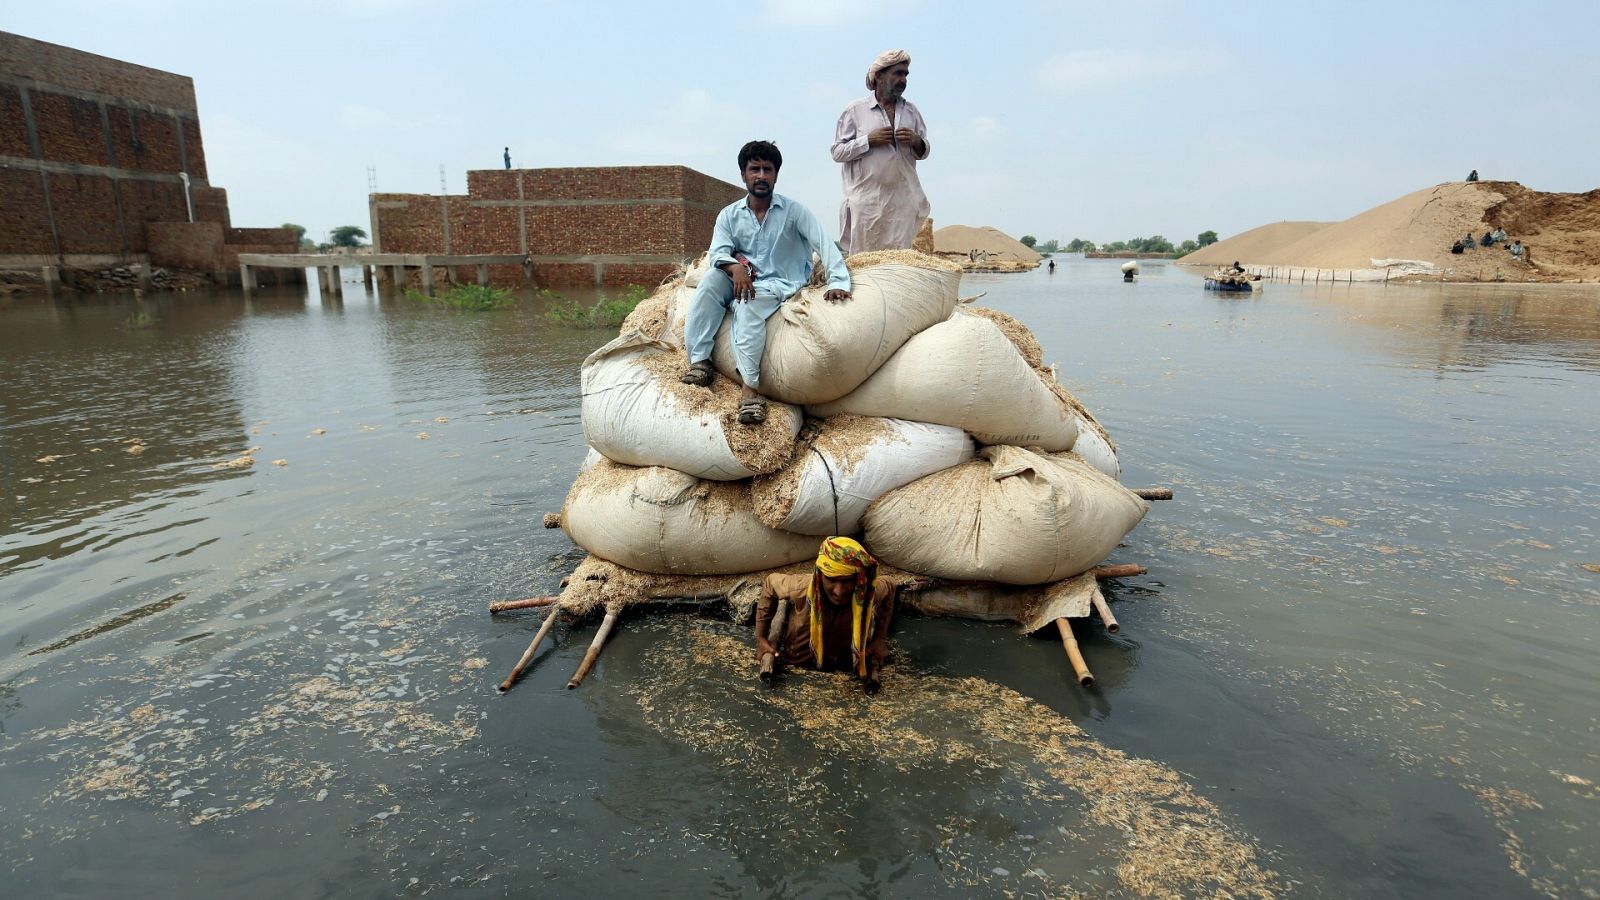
[93,153]
[611,226]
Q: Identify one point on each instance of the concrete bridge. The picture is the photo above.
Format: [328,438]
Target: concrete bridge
[329,264]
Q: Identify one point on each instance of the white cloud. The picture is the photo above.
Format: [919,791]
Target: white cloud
[1088,71]
[984,129]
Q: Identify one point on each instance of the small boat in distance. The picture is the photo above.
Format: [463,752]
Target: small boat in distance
[1233,279]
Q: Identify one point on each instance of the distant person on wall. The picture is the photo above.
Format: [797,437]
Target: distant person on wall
[761,250]
[508,157]
[838,616]
[878,141]
[1473,175]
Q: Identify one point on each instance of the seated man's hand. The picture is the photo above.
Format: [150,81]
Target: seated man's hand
[744,287]
[834,295]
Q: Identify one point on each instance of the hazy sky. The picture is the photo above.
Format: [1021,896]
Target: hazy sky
[1104,121]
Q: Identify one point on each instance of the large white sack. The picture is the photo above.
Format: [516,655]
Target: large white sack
[1096,448]
[819,351]
[1013,516]
[654,317]
[963,372]
[852,461]
[636,411]
[664,521]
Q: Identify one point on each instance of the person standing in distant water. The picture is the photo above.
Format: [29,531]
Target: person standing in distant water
[508,157]
[878,141]
[1052,266]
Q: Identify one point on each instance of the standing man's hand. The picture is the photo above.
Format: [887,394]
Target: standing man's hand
[834,295]
[909,138]
[880,137]
[744,287]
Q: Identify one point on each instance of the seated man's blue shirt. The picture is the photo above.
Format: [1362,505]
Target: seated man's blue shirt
[779,248]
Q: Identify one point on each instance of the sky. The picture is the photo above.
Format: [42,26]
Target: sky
[1104,121]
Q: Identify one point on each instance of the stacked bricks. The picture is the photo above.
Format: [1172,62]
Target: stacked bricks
[90,152]
[609,226]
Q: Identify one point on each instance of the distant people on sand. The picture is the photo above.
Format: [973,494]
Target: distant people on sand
[1456,247]
[761,248]
[1487,239]
[1499,235]
[1516,249]
[508,157]
[877,142]
[1473,175]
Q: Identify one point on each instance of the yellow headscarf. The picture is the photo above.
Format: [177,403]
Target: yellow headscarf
[839,557]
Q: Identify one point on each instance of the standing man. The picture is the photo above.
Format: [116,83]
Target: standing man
[761,252]
[879,140]
[838,618]
[508,157]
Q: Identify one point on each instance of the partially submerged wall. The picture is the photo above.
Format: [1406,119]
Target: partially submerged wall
[604,226]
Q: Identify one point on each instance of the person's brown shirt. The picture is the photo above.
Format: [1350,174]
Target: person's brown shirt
[795,649]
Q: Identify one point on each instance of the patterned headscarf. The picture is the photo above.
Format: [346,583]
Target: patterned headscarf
[840,557]
[885,59]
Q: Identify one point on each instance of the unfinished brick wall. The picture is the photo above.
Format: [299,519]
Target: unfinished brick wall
[610,226]
[90,151]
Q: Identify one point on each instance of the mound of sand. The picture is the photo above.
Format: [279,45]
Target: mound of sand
[958,242]
[1256,244]
[1560,229]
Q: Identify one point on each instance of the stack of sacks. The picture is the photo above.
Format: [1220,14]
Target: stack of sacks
[897,415]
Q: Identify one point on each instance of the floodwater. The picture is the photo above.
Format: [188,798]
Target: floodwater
[1363,662]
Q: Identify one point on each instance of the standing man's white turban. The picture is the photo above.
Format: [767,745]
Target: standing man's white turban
[885,59]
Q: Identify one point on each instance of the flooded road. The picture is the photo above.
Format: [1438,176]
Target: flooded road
[1362,664]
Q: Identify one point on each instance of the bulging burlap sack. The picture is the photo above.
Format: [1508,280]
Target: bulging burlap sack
[963,372]
[1012,516]
[664,521]
[637,412]
[819,351]
[852,461]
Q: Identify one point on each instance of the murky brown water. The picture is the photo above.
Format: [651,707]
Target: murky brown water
[1362,663]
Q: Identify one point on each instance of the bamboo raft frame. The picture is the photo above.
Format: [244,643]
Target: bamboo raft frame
[768,664]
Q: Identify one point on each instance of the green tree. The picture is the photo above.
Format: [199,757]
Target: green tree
[1050,246]
[299,231]
[1079,245]
[346,236]
[1188,247]
[1207,238]
[1029,240]
[1116,246]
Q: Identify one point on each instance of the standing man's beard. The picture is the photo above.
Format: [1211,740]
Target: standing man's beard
[761,189]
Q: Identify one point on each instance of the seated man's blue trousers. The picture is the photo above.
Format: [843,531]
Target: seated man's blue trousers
[713,300]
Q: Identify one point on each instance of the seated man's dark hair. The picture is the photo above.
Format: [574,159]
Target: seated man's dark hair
[760,150]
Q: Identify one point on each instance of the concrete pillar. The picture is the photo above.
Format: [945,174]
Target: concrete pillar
[483,273]
[527,274]
[427,278]
[366,276]
[397,275]
[334,281]
[247,277]
[51,277]
[322,279]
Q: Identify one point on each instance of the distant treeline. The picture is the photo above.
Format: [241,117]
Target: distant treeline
[1153,244]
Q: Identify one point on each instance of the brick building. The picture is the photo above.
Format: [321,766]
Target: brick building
[94,154]
[611,226]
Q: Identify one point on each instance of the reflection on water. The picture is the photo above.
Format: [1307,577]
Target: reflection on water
[1367,637]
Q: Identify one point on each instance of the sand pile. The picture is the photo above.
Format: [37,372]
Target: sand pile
[1261,243]
[997,251]
[1559,228]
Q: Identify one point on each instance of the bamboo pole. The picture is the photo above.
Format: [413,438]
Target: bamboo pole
[769,661]
[527,655]
[1154,493]
[1124,570]
[1104,609]
[606,624]
[500,606]
[1079,667]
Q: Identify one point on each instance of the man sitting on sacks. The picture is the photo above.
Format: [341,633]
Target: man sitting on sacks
[761,252]
[837,617]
